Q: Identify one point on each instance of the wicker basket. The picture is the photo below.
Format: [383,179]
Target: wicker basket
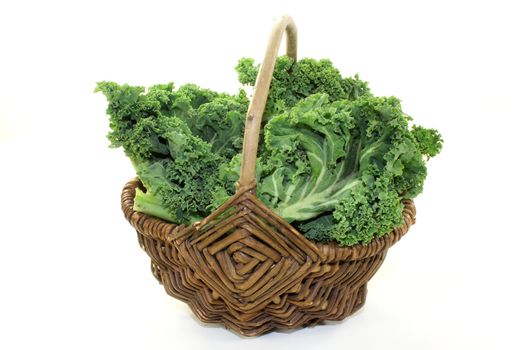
[243,266]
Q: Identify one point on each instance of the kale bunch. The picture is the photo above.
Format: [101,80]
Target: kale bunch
[334,160]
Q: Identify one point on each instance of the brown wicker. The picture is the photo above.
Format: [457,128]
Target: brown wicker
[243,266]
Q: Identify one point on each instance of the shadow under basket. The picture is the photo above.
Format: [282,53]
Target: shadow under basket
[254,275]
[244,266]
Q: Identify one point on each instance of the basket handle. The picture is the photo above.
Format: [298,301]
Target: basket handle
[260,95]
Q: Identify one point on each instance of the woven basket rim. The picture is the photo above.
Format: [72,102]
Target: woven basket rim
[162,229]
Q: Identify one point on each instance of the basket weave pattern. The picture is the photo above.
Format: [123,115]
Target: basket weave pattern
[248,269]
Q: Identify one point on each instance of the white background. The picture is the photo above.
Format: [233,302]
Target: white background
[72,274]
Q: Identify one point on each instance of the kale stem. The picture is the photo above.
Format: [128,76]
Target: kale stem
[147,203]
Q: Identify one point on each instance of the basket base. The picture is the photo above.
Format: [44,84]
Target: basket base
[343,304]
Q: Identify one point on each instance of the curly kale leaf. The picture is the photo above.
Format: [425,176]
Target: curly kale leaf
[372,209]
[220,122]
[176,167]
[429,141]
[139,120]
[318,229]
[308,158]
[293,81]
[354,160]
[183,182]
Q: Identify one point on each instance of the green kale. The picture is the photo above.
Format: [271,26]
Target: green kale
[176,168]
[334,161]
[318,229]
[353,159]
[293,81]
[220,122]
[429,141]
